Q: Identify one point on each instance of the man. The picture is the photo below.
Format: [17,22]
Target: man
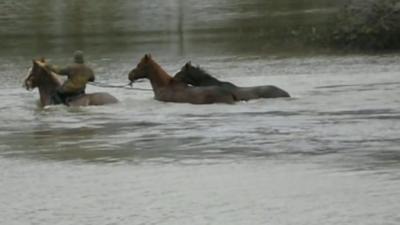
[78,76]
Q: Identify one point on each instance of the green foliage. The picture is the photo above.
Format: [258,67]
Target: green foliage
[368,24]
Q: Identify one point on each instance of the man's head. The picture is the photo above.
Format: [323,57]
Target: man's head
[78,57]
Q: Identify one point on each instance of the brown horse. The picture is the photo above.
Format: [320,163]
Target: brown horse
[47,82]
[197,77]
[167,89]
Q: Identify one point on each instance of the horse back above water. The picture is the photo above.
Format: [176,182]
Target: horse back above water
[168,89]
[198,77]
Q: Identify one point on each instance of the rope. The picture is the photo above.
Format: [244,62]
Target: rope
[126,86]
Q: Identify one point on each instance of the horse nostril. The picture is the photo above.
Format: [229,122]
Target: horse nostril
[131,75]
[27,85]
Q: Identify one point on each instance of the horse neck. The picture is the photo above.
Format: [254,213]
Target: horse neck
[47,88]
[158,77]
[211,81]
[206,79]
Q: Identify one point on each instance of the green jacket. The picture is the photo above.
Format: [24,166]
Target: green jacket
[78,76]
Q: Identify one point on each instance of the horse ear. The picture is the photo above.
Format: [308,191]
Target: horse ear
[147,56]
[188,65]
[42,59]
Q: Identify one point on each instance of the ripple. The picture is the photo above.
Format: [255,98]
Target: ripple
[359,112]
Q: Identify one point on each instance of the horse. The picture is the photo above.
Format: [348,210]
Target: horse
[167,89]
[48,82]
[200,78]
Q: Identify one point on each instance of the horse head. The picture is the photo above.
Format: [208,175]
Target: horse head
[193,75]
[36,74]
[141,70]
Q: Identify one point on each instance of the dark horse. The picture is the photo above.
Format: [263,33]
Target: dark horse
[167,89]
[47,82]
[198,77]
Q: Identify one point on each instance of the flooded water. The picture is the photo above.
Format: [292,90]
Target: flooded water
[328,155]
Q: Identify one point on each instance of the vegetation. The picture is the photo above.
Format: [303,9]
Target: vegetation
[368,24]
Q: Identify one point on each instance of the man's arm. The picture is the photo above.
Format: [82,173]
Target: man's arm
[60,71]
[92,77]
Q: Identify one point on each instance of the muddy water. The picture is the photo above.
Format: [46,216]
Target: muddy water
[329,154]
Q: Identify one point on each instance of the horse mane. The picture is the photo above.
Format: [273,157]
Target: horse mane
[203,75]
[158,67]
[165,77]
[52,76]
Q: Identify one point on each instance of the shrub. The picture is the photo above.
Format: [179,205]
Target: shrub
[368,24]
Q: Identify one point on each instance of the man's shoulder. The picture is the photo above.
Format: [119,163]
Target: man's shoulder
[84,69]
[81,66]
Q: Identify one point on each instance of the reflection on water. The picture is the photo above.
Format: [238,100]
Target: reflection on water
[58,26]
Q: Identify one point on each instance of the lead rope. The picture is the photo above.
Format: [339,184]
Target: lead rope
[126,86]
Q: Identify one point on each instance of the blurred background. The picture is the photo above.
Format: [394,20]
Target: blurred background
[175,27]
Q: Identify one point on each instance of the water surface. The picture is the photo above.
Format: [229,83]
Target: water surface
[328,155]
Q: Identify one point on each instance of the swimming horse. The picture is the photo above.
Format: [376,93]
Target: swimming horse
[198,77]
[47,82]
[167,89]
